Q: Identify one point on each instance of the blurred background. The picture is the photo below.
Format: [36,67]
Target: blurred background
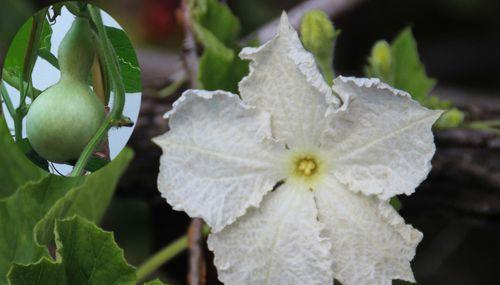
[457,207]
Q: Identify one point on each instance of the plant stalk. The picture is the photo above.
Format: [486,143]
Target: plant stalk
[6,99]
[24,81]
[165,255]
[489,126]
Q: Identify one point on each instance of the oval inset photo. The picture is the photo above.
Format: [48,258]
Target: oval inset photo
[71,88]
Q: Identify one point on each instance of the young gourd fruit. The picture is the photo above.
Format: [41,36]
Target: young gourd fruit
[63,119]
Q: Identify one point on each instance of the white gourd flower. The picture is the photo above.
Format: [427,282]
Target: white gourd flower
[295,177]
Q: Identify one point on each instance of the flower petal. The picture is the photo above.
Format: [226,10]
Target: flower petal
[371,244]
[278,243]
[218,157]
[382,143]
[285,81]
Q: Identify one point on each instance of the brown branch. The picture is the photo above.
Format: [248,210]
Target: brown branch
[190,56]
[161,67]
[332,7]
[197,266]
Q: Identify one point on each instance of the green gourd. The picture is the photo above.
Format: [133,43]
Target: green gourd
[62,119]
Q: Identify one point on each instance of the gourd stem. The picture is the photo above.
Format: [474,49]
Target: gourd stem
[91,146]
[118,88]
[111,64]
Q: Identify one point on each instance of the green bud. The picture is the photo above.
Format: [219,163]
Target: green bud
[450,119]
[318,36]
[381,60]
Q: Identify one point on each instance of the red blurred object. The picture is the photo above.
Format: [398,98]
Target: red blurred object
[159,19]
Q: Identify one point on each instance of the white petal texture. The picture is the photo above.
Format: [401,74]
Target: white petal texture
[382,143]
[294,178]
[284,81]
[216,158]
[371,244]
[278,243]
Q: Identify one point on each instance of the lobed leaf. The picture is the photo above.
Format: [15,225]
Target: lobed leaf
[15,169]
[27,216]
[85,255]
[409,72]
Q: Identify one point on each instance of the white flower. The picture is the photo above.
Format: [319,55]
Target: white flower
[294,178]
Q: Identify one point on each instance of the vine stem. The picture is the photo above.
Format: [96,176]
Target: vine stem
[6,99]
[119,93]
[12,111]
[24,82]
[14,82]
[165,254]
[488,125]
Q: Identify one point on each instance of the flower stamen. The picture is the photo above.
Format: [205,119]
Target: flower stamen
[306,166]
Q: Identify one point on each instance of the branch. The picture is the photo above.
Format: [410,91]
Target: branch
[157,66]
[197,266]
[332,7]
[190,56]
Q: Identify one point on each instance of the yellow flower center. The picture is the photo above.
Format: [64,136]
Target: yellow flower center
[306,166]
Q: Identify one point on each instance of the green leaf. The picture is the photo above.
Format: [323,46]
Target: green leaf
[218,20]
[409,72]
[154,282]
[18,215]
[14,59]
[85,255]
[29,152]
[89,200]
[216,27]
[129,65]
[216,72]
[49,57]
[211,43]
[45,43]
[95,163]
[400,66]
[318,36]
[15,168]
[38,204]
